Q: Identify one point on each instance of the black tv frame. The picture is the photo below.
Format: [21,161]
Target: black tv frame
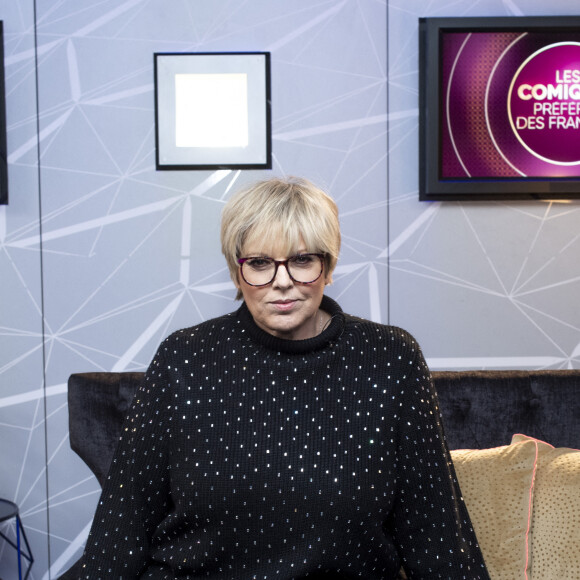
[3,143]
[431,186]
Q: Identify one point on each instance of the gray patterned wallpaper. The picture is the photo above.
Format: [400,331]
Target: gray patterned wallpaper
[101,256]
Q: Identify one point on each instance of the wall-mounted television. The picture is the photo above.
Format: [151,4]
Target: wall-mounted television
[499,108]
[3,146]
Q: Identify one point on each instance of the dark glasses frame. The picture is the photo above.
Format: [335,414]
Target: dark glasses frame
[277,264]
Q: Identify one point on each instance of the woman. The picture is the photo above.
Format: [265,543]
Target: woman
[287,439]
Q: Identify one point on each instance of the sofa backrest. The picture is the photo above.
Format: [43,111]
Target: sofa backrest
[97,405]
[480,409]
[483,409]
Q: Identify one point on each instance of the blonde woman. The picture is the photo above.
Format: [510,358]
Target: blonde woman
[285,440]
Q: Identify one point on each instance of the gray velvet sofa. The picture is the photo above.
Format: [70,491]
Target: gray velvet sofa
[481,410]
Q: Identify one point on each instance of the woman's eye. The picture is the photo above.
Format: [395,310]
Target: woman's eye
[302,260]
[258,263]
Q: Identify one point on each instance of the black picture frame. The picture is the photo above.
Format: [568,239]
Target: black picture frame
[3,140]
[176,150]
[435,181]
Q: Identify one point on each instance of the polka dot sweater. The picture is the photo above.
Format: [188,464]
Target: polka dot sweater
[247,456]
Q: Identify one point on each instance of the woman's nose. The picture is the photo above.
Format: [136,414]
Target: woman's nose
[282,278]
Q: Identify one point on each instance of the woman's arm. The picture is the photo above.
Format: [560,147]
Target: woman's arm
[135,496]
[430,522]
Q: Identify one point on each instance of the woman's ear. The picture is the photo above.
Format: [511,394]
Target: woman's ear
[236,281]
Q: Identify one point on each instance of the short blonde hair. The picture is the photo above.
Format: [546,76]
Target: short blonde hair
[280,212]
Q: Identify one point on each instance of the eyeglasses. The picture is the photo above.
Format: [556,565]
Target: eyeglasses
[261,271]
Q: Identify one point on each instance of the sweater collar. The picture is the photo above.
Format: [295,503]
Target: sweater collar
[331,332]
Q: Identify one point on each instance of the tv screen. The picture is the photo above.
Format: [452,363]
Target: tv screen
[499,108]
[3,148]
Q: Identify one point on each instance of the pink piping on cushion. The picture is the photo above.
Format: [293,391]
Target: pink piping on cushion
[528,438]
[540,441]
[536,441]
[530,507]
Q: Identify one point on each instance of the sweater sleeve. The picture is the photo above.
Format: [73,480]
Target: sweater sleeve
[135,496]
[430,522]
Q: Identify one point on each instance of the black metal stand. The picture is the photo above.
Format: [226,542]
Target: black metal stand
[9,510]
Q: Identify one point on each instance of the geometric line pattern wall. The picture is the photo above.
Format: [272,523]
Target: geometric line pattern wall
[101,256]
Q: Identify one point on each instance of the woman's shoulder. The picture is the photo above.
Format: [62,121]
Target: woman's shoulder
[377,329]
[378,333]
[205,332]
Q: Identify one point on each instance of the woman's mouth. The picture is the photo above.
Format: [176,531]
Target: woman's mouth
[283,305]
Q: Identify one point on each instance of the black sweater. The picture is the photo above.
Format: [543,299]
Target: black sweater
[246,456]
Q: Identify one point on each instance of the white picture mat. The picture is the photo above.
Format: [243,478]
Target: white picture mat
[211,110]
[194,127]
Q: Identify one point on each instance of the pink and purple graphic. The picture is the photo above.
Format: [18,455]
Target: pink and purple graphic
[511,105]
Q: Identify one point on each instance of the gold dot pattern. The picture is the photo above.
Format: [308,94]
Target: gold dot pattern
[555,528]
[497,488]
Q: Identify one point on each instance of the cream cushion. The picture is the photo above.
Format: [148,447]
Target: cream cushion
[497,486]
[555,529]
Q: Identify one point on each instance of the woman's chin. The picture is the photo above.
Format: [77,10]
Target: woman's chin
[290,327]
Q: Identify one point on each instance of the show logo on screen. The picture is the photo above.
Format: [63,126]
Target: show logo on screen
[505,116]
[544,104]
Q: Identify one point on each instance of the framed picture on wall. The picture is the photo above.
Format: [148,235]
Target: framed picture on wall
[213,110]
[3,144]
[499,108]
